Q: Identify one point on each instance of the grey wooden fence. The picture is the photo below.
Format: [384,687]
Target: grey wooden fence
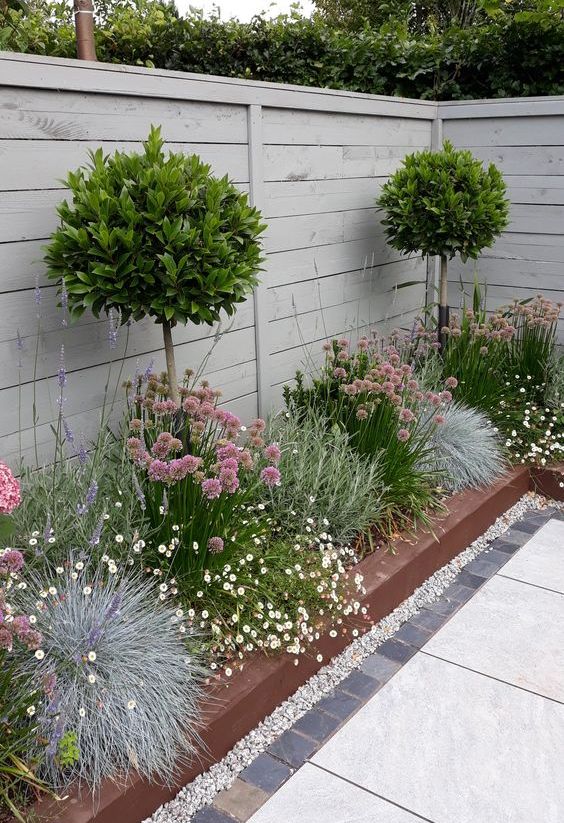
[525,139]
[313,160]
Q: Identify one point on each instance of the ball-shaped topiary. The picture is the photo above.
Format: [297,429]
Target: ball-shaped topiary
[444,203]
[149,234]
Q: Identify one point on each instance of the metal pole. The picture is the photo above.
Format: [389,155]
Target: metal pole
[84,26]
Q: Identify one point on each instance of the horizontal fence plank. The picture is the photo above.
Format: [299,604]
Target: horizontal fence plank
[306,231]
[504,131]
[505,107]
[284,199]
[39,114]
[287,127]
[29,71]
[336,258]
[537,275]
[537,220]
[297,298]
[544,160]
[41,164]
[331,162]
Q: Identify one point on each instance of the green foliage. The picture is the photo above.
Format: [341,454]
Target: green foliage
[444,203]
[507,57]
[17,731]
[68,752]
[535,433]
[373,397]
[323,478]
[149,234]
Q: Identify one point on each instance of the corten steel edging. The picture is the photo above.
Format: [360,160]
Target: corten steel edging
[548,481]
[236,706]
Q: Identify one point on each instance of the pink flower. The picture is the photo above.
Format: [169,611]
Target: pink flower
[339,373]
[10,496]
[5,639]
[211,488]
[361,413]
[403,435]
[158,471]
[246,459]
[258,425]
[230,463]
[439,419]
[363,344]
[273,453]
[215,545]
[229,480]
[228,451]
[270,476]
[451,382]
[343,343]
[406,416]
[191,463]
[445,396]
[191,405]
[11,561]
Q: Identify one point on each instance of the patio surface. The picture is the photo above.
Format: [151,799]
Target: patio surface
[470,729]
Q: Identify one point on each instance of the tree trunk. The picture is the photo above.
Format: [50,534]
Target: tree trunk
[84,27]
[443,301]
[170,362]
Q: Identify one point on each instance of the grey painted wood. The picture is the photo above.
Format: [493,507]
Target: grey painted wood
[525,139]
[313,160]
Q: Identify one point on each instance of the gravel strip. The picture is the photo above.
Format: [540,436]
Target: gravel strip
[221,775]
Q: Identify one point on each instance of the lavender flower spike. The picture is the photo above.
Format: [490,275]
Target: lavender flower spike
[97,533]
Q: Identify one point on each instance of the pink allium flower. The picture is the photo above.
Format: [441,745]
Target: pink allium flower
[343,356]
[191,463]
[136,425]
[6,639]
[11,561]
[361,413]
[363,344]
[229,480]
[191,405]
[327,346]
[158,471]
[273,453]
[445,396]
[439,419]
[406,416]
[230,463]
[258,425]
[339,373]
[211,488]
[412,385]
[270,476]
[484,350]
[229,450]
[343,343]
[176,470]
[215,545]
[403,435]
[10,496]
[246,459]
[350,389]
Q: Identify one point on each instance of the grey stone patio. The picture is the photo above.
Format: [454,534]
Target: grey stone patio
[468,728]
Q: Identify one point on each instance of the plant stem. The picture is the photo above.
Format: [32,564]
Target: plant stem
[443,301]
[170,362]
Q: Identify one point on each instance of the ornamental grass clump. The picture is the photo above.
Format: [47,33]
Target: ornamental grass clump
[149,234]
[532,351]
[466,450]
[444,203]
[376,399]
[197,481]
[323,478]
[120,675]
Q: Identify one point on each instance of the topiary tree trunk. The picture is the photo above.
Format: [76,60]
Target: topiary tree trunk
[170,362]
[443,300]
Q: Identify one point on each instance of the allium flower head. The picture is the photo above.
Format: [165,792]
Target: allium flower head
[270,476]
[403,435]
[10,496]
[215,545]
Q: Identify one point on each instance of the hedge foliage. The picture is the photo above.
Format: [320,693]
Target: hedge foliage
[507,57]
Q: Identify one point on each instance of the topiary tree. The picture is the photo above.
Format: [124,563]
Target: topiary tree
[444,203]
[152,235]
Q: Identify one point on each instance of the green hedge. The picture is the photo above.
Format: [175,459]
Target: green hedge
[505,58]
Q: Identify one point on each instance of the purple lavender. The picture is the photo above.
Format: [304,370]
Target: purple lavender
[68,432]
[97,533]
[82,453]
[82,508]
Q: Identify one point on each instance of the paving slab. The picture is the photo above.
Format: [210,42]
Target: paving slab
[314,796]
[512,631]
[541,560]
[452,746]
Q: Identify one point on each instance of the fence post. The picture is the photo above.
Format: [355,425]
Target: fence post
[256,180]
